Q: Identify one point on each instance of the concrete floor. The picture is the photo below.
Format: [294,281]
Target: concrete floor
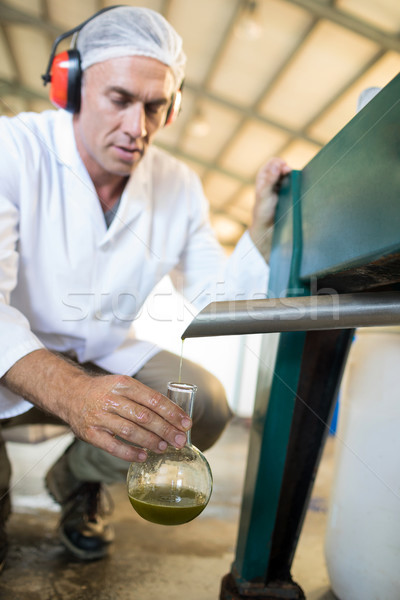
[149,562]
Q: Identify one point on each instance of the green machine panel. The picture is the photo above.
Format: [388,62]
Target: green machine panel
[351,191]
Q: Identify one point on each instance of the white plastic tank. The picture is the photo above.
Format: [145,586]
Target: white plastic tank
[362,543]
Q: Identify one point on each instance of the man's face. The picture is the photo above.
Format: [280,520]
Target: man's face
[124,103]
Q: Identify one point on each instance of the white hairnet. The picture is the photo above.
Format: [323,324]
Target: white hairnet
[131,31]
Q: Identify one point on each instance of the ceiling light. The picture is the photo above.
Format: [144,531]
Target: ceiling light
[249,26]
[198,126]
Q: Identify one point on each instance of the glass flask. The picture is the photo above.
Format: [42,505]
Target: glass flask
[174,487]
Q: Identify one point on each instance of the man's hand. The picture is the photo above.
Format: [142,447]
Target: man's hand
[267,180]
[118,405]
[102,408]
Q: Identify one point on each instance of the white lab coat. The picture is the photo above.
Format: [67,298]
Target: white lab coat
[67,282]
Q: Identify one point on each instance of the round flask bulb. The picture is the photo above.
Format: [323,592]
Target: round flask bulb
[174,487]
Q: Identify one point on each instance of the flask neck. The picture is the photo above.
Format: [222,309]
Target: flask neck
[183,394]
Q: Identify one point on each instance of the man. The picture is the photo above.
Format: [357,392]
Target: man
[92,217]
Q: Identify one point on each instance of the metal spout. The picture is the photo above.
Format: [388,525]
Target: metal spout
[305,313]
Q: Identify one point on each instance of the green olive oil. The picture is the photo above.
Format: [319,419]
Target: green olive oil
[162,508]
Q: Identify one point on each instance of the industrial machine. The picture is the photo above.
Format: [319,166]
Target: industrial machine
[335,266]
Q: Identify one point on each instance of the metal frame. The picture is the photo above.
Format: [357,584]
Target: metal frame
[296,392]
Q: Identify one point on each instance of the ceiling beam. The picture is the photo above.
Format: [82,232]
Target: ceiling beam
[386,40]
[339,93]
[247,112]
[9,14]
[326,11]
[165,8]
[203,163]
[253,110]
[218,54]
[44,10]
[14,64]
[343,90]
[302,133]
[13,88]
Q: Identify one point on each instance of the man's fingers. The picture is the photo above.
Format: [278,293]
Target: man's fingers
[153,402]
[156,435]
[268,181]
[117,405]
[106,441]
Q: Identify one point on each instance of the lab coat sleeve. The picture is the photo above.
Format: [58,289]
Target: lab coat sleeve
[16,337]
[204,274]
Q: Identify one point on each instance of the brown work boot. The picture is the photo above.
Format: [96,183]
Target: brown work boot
[83,527]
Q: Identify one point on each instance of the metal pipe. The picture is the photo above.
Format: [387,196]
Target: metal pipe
[305,313]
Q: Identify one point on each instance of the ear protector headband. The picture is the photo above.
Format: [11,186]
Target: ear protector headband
[64,73]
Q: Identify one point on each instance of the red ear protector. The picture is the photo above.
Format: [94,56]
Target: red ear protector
[64,73]
[65,76]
